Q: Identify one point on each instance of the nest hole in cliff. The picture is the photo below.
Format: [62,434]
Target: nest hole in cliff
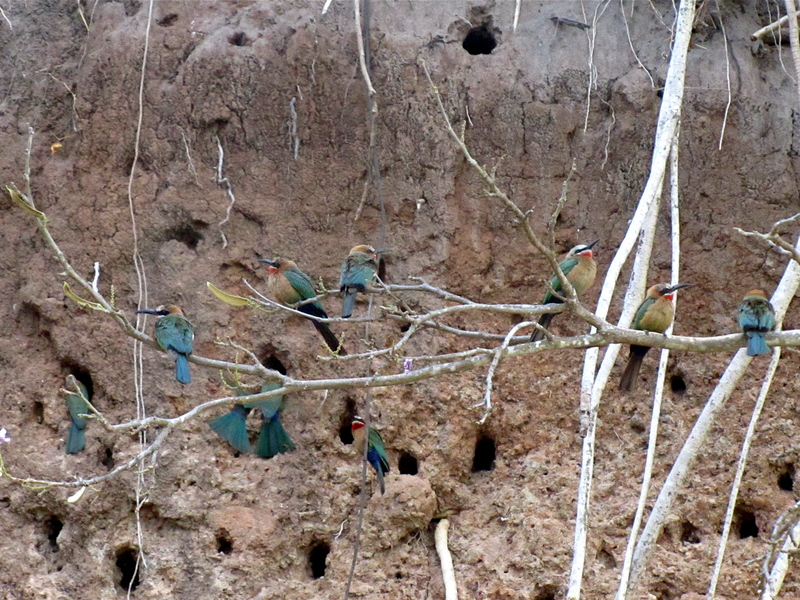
[548,592]
[479,40]
[266,354]
[346,421]
[52,527]
[745,523]
[318,558]
[689,533]
[224,541]
[677,383]
[80,373]
[407,464]
[485,454]
[127,565]
[189,234]
[38,412]
[239,38]
[786,478]
[107,459]
[382,270]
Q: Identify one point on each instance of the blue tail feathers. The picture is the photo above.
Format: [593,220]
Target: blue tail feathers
[76,440]
[182,368]
[756,344]
[232,428]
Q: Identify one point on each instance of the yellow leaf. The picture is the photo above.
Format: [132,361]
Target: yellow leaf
[80,301]
[226,297]
[77,495]
[19,200]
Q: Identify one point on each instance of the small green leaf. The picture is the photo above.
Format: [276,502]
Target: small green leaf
[226,297]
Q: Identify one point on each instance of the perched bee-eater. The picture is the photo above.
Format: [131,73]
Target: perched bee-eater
[77,399]
[290,285]
[358,271]
[272,439]
[175,335]
[756,317]
[654,314]
[376,453]
[580,270]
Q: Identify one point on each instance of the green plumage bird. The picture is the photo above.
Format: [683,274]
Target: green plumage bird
[358,271]
[290,285]
[580,270]
[756,317]
[654,314]
[376,451]
[76,398]
[175,336]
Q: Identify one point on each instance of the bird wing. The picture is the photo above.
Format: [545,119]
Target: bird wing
[566,267]
[301,283]
[642,311]
[747,316]
[175,332]
[376,442]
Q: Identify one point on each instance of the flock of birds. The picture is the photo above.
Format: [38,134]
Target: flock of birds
[289,285]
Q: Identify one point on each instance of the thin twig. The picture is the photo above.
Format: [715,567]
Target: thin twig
[727,75]
[3,14]
[221,180]
[498,355]
[189,160]
[562,199]
[630,43]
[591,36]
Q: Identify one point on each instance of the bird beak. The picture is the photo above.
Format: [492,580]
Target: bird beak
[148,311]
[380,251]
[270,262]
[678,286]
[590,246]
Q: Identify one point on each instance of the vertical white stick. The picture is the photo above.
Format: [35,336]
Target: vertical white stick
[668,118]
[662,369]
[448,573]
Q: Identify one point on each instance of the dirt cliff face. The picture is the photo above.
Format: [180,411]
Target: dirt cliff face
[276,86]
